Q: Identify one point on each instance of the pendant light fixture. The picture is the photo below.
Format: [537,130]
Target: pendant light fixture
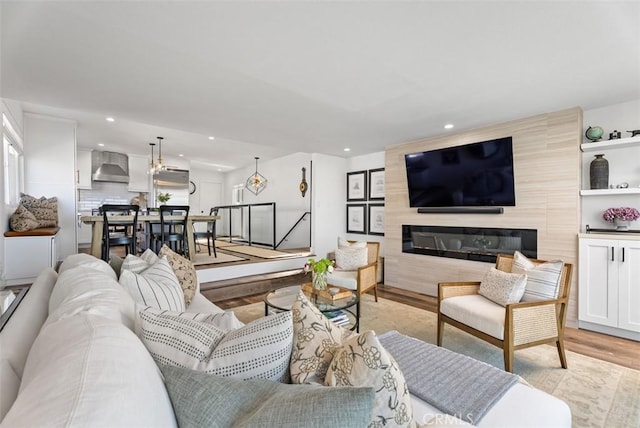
[160,166]
[152,167]
[256,183]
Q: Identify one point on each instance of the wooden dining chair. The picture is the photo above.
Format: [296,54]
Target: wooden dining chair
[172,232]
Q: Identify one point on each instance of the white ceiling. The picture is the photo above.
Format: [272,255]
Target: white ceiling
[271,78]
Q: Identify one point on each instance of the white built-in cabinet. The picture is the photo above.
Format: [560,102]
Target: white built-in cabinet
[609,285]
[27,256]
[138,174]
[83,173]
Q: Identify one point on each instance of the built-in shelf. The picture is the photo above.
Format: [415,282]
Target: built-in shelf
[605,192]
[611,144]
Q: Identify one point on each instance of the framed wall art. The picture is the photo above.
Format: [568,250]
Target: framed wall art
[376,184]
[376,219]
[356,186]
[357,218]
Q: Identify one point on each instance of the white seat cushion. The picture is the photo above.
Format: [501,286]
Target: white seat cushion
[476,311]
[343,278]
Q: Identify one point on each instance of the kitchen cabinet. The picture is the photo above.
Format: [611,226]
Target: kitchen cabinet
[83,173]
[609,285]
[138,174]
[26,256]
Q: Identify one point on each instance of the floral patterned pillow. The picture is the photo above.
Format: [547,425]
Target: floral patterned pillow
[315,341]
[184,270]
[22,220]
[362,361]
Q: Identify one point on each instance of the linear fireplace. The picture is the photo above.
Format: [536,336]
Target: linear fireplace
[481,244]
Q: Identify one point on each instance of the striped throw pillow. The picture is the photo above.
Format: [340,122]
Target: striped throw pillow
[137,264]
[258,350]
[156,286]
[543,280]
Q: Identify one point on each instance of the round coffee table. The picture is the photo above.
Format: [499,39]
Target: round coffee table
[282,299]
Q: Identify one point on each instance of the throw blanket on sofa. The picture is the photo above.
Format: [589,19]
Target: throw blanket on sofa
[456,384]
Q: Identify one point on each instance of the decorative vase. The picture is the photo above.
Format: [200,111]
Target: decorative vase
[319,280]
[622,225]
[599,172]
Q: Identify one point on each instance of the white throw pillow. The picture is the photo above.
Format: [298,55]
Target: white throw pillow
[543,280]
[137,264]
[351,258]
[157,286]
[225,320]
[363,361]
[343,243]
[82,259]
[503,287]
[258,350]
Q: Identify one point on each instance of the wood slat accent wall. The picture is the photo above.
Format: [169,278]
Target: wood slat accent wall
[547,162]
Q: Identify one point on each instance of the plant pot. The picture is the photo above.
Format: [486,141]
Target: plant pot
[622,225]
[319,280]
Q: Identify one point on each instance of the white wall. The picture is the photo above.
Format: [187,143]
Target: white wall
[283,177]
[49,170]
[624,164]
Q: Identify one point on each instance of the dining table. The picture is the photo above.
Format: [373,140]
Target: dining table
[97,225]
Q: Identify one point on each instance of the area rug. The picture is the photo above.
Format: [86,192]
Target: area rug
[263,253]
[206,259]
[600,394]
[221,243]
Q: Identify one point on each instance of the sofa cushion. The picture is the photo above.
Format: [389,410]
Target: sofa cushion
[315,342]
[88,290]
[204,400]
[543,280]
[200,304]
[503,287]
[82,259]
[107,378]
[363,361]
[343,278]
[258,350]
[185,272]
[476,311]
[157,286]
[22,220]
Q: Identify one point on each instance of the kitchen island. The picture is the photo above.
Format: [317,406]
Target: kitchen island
[97,224]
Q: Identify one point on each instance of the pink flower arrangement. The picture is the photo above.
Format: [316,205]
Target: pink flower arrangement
[622,213]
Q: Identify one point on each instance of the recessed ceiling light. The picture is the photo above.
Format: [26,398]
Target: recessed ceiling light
[448,126]
[219,169]
[347,149]
[101,144]
[212,138]
[110,119]
[181,155]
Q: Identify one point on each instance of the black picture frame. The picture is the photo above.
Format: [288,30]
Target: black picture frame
[356,186]
[357,218]
[375,218]
[376,184]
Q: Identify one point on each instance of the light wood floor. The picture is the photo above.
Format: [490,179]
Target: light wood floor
[608,348]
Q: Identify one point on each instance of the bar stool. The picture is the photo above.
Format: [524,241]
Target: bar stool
[115,231]
[210,233]
[172,232]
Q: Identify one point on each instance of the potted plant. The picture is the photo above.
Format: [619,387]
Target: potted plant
[319,271]
[621,217]
[164,197]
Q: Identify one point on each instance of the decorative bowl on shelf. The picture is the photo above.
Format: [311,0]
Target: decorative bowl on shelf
[594,133]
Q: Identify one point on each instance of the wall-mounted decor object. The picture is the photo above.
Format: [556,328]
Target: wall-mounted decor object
[594,133]
[376,219]
[635,132]
[615,135]
[599,172]
[357,186]
[303,184]
[357,218]
[376,184]
[256,183]
[192,187]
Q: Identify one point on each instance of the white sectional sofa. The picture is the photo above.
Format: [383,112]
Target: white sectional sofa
[70,357]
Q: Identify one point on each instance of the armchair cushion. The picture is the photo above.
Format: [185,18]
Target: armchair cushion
[476,311]
[543,280]
[351,258]
[343,278]
[503,287]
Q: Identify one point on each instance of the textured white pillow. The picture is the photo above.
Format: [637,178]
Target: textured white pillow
[225,321]
[258,350]
[157,286]
[351,258]
[503,287]
[543,280]
[362,361]
[137,264]
[343,243]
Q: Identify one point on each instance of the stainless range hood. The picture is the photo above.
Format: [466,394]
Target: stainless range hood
[109,166]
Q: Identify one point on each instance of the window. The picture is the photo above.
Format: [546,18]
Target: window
[13,162]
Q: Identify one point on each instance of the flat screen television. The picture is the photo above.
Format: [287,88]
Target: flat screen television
[472,175]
